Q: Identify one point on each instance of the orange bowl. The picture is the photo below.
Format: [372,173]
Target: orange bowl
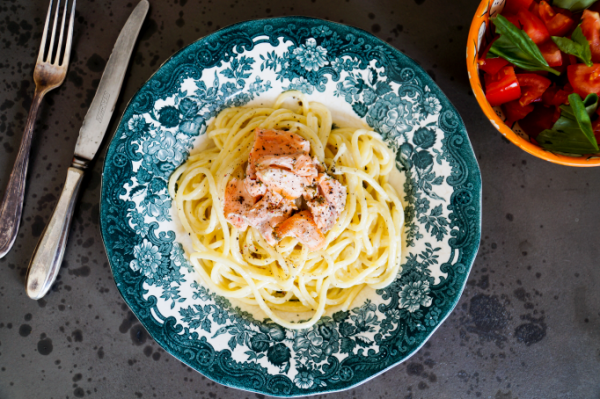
[478,30]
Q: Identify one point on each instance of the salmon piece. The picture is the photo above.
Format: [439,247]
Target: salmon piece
[256,188]
[280,172]
[274,142]
[283,182]
[303,227]
[333,191]
[266,208]
[266,227]
[300,163]
[237,202]
[326,200]
[271,210]
[323,212]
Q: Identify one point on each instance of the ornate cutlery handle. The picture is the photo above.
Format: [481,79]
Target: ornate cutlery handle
[50,250]
[11,208]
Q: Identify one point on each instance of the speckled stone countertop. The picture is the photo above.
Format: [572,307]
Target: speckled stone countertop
[527,325]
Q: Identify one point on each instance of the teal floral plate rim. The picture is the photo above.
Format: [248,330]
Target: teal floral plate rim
[356,74]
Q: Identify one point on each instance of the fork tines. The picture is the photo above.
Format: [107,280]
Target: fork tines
[46,52]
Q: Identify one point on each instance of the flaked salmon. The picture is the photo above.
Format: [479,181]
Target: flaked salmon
[274,142]
[283,182]
[302,226]
[237,202]
[326,200]
[266,228]
[301,164]
[269,206]
[333,191]
[271,210]
[255,188]
[323,212]
[279,174]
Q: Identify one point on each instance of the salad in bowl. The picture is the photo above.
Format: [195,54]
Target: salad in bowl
[537,66]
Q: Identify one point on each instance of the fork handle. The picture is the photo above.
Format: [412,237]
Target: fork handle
[49,253]
[12,202]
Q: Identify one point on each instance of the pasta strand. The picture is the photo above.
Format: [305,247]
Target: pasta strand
[362,249]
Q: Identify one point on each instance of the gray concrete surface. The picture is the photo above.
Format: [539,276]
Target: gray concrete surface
[528,323]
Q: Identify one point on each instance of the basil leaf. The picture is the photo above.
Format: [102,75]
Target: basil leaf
[578,46]
[572,133]
[517,48]
[573,5]
[590,103]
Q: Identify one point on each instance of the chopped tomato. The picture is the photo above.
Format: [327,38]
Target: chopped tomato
[533,26]
[541,73]
[502,87]
[492,65]
[539,119]
[567,60]
[590,26]
[572,60]
[568,88]
[532,87]
[513,6]
[584,79]
[558,24]
[556,96]
[515,111]
[551,53]
[563,68]
[513,19]
[535,8]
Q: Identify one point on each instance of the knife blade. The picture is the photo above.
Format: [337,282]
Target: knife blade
[49,253]
[99,114]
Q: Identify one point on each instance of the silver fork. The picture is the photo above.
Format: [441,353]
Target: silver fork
[47,75]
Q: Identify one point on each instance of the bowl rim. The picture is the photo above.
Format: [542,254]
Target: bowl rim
[482,16]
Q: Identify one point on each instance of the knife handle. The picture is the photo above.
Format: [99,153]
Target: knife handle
[49,253]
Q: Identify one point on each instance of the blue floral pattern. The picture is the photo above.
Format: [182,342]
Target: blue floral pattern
[147,259]
[441,195]
[310,56]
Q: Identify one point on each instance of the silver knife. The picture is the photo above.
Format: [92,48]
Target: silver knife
[50,250]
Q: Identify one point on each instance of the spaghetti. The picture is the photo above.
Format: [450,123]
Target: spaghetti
[361,249]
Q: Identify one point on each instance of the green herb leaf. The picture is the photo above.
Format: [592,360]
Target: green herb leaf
[573,5]
[517,48]
[578,46]
[590,103]
[573,133]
